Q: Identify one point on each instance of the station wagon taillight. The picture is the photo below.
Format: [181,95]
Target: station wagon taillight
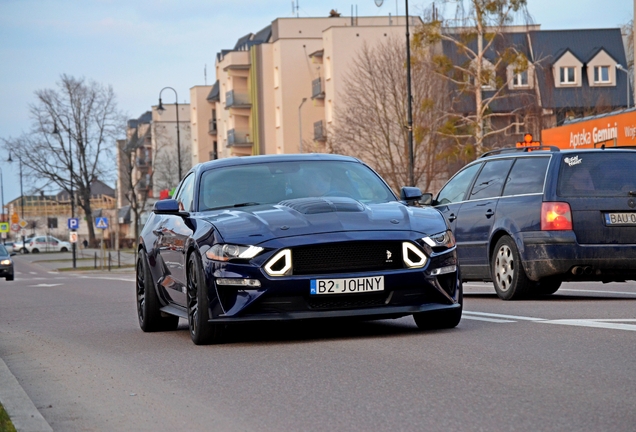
[556,216]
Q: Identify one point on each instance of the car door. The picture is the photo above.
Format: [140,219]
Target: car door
[477,216]
[452,195]
[52,244]
[173,237]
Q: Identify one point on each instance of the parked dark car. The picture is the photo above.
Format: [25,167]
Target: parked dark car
[6,263]
[287,237]
[528,219]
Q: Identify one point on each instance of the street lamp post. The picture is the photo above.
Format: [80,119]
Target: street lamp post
[2,196]
[621,68]
[300,126]
[21,196]
[161,108]
[409,95]
[70,156]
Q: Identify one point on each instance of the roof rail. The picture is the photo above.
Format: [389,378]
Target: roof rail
[520,149]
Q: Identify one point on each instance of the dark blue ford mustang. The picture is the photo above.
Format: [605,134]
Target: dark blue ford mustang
[293,237]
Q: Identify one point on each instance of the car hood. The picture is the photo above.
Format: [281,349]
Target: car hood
[306,216]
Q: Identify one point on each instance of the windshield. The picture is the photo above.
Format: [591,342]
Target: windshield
[271,183]
[598,174]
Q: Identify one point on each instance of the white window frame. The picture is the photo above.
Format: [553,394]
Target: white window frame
[598,70]
[564,76]
[517,81]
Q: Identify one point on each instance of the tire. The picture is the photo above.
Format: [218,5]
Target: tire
[508,275]
[441,319]
[35,250]
[63,249]
[150,317]
[9,278]
[202,332]
[547,287]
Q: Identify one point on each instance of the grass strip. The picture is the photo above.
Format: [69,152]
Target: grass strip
[6,425]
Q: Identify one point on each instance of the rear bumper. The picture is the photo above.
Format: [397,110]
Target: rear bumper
[557,253]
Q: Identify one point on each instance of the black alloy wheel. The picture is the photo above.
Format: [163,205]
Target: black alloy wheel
[202,332]
[150,317]
[444,319]
[508,275]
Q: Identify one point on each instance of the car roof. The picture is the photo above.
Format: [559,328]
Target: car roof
[521,152]
[249,160]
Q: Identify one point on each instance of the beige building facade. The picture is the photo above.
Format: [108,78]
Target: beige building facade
[277,90]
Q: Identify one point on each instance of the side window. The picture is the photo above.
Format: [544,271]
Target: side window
[490,181]
[186,193]
[456,188]
[527,176]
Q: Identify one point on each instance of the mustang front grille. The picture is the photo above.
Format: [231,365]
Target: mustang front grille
[347,257]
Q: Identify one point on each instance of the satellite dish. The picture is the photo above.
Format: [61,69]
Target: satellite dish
[378,3]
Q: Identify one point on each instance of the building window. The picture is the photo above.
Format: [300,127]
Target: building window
[520,79]
[568,75]
[601,74]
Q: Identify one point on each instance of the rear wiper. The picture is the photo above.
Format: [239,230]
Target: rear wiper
[245,204]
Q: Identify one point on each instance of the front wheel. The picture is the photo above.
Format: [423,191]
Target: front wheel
[148,313]
[9,278]
[202,332]
[509,278]
[63,249]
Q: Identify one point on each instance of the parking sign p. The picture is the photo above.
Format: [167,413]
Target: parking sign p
[73,223]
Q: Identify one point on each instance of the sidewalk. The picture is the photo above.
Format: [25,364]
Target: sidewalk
[87,260]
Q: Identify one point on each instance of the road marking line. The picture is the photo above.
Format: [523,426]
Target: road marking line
[598,291]
[45,285]
[106,278]
[593,323]
[474,318]
[523,318]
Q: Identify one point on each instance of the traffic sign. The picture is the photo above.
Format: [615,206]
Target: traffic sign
[73,223]
[15,218]
[72,236]
[101,222]
[15,227]
[23,223]
[4,227]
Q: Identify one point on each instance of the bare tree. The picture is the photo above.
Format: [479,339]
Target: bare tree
[473,58]
[74,129]
[165,166]
[372,124]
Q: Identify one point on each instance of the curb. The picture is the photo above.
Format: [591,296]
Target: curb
[23,413]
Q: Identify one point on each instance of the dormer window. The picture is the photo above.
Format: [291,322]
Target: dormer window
[602,74]
[568,75]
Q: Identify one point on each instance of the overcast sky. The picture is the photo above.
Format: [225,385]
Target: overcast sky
[140,46]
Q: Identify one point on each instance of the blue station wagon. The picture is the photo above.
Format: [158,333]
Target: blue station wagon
[528,219]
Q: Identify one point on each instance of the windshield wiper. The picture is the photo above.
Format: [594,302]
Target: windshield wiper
[245,204]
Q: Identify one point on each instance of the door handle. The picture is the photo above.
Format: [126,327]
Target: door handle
[489,213]
[452,217]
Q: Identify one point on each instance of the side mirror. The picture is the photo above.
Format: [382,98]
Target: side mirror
[426,199]
[408,193]
[167,206]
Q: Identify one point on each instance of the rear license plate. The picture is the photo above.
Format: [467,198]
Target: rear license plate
[620,218]
[346,286]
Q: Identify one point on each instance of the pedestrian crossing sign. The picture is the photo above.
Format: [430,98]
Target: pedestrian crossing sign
[101,222]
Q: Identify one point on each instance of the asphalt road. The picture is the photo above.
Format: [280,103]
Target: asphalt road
[567,363]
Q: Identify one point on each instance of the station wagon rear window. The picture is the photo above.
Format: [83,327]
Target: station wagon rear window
[602,174]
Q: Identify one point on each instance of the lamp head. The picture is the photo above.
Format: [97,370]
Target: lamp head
[378,3]
[55,129]
[160,108]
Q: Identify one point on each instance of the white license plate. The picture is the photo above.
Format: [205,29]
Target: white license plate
[346,286]
[620,218]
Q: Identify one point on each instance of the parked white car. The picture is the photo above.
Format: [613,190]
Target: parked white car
[47,244]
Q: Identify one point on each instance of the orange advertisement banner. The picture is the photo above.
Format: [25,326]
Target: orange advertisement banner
[612,130]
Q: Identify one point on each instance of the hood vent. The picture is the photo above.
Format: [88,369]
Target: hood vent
[323,205]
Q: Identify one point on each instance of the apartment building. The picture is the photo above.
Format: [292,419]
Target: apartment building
[277,89]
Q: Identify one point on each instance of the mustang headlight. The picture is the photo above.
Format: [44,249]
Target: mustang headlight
[443,240]
[5,262]
[225,252]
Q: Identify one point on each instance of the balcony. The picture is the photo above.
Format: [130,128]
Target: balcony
[320,132]
[237,100]
[237,138]
[212,130]
[317,92]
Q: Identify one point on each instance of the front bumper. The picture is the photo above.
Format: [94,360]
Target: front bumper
[407,291]
[556,253]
